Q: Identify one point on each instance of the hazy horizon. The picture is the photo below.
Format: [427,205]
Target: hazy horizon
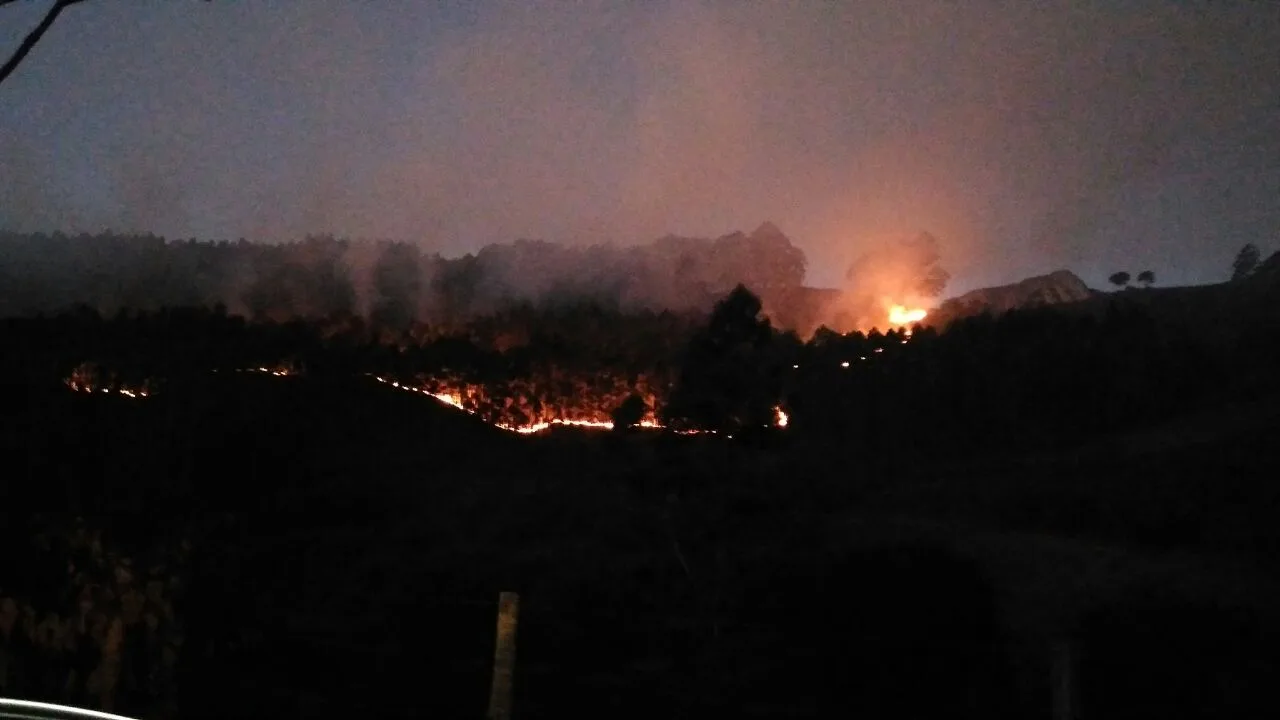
[1087,136]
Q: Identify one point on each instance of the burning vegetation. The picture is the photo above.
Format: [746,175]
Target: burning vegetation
[88,378]
[520,415]
[517,405]
[900,316]
[527,369]
[526,336]
[526,407]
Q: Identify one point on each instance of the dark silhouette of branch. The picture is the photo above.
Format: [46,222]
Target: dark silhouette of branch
[34,36]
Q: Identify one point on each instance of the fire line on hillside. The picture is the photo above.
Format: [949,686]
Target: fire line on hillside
[454,399]
[83,380]
[503,412]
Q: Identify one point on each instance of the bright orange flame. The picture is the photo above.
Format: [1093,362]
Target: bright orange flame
[900,315]
[780,417]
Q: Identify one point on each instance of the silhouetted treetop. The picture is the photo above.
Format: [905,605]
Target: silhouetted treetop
[1245,263]
[629,414]
[730,375]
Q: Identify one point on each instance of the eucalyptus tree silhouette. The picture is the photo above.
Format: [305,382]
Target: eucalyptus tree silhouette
[730,378]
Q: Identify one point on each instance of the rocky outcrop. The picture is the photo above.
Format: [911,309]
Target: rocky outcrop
[1062,286]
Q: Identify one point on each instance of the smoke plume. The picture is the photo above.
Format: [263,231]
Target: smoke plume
[1029,136]
[393,285]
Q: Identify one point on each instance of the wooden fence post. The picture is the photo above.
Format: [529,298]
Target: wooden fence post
[504,656]
[1064,680]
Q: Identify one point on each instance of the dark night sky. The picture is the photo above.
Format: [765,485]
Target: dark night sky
[1028,136]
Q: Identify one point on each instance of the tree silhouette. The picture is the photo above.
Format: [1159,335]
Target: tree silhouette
[729,378]
[1119,279]
[1147,278]
[629,413]
[1245,263]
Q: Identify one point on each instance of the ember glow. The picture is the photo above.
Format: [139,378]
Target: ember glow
[529,406]
[87,378]
[274,372]
[465,397]
[901,315]
[500,412]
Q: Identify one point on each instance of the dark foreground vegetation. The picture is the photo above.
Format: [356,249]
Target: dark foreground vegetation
[932,523]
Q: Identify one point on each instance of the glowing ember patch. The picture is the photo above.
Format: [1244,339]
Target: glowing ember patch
[274,372]
[87,378]
[83,380]
[454,399]
[900,315]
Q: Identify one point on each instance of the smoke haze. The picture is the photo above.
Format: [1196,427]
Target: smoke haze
[396,286]
[1025,136]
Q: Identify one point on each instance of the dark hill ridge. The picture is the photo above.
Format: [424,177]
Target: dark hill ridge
[1269,270]
[226,432]
[1213,313]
